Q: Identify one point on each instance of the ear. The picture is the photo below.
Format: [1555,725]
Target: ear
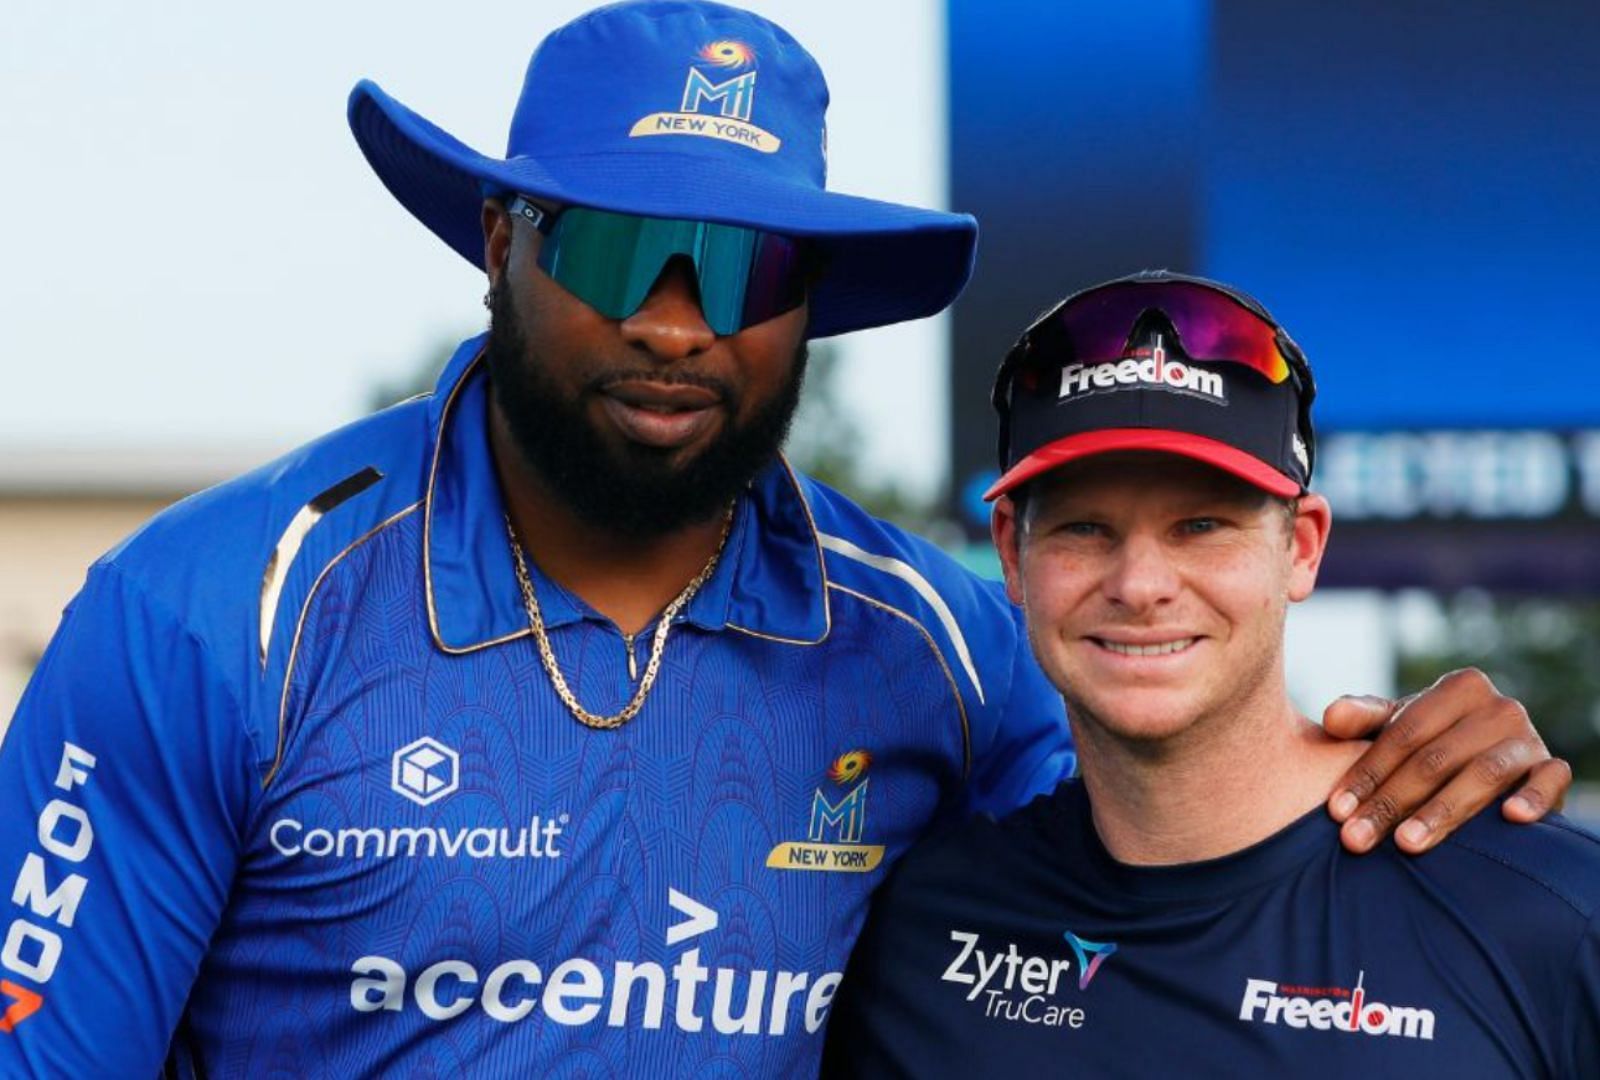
[1312,523]
[1006,526]
[496,239]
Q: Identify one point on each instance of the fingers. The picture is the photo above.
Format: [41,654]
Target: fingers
[1358,716]
[1471,789]
[1454,747]
[1546,790]
[1416,720]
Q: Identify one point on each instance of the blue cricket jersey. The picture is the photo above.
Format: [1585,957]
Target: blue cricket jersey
[290,793]
[1022,948]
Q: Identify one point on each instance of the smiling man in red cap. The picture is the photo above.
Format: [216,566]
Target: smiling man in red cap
[1182,909]
[549,723]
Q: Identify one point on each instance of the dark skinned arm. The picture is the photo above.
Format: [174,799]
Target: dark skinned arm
[1438,758]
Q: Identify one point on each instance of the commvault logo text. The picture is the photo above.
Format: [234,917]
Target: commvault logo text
[625,993]
[424,772]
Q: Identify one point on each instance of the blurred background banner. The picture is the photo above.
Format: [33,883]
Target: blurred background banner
[200,271]
[1411,188]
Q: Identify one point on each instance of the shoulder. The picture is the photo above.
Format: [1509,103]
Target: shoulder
[1018,737]
[1554,861]
[875,562]
[208,557]
[863,552]
[1528,895]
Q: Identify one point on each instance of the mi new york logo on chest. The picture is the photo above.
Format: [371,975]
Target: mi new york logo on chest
[837,824]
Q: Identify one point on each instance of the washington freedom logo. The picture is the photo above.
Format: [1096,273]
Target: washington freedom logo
[1143,369]
[1332,1008]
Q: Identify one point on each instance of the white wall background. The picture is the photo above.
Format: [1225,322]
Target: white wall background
[194,250]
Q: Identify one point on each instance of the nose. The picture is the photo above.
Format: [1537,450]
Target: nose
[670,323]
[1142,577]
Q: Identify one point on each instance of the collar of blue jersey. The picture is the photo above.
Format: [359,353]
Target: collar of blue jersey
[770,581]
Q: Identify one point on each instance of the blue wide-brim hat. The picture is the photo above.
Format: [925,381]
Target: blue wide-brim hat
[681,109]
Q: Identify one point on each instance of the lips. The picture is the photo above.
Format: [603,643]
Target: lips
[665,416]
[664,397]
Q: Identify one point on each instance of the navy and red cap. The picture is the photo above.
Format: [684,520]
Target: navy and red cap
[1157,362]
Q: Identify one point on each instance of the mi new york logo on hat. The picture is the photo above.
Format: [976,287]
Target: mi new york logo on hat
[718,97]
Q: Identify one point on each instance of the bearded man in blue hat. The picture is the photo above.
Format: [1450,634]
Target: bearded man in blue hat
[549,723]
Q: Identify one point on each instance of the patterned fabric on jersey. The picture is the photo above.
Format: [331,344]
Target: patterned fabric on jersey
[298,799]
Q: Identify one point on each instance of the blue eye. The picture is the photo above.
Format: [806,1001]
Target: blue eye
[1201,525]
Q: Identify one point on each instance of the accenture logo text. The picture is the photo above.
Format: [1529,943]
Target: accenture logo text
[1332,1009]
[1145,368]
[624,993]
[425,771]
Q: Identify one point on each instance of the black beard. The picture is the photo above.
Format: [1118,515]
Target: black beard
[638,493]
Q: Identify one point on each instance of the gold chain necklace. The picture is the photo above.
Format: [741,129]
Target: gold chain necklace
[658,642]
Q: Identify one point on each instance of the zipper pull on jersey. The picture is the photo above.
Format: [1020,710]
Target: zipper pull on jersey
[633,661]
